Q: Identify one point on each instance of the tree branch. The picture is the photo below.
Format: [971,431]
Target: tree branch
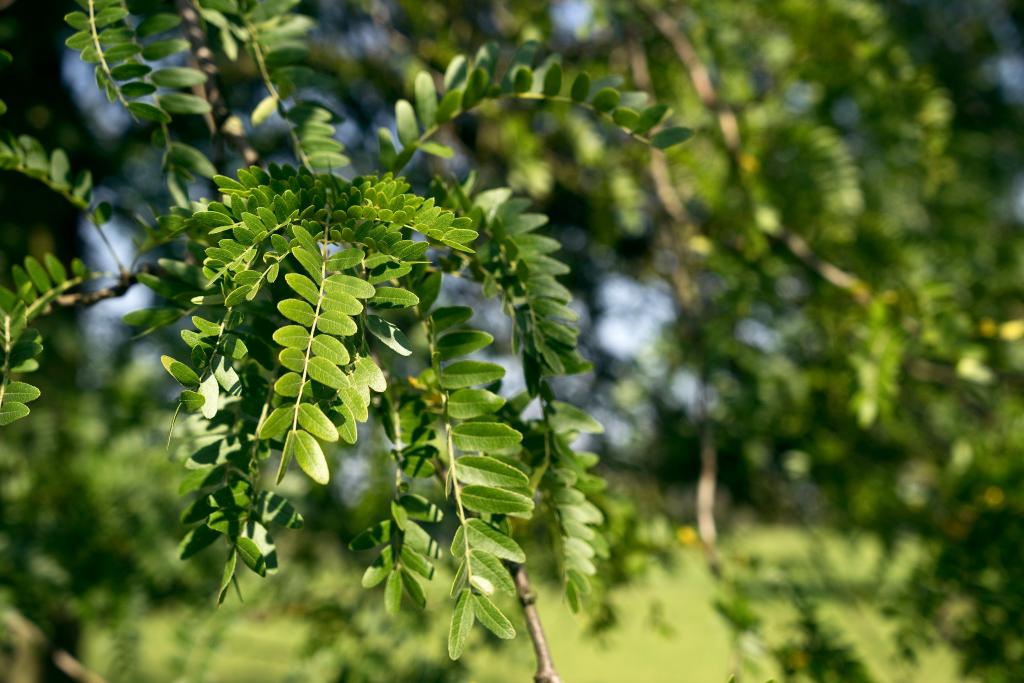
[706,484]
[701,79]
[220,121]
[728,126]
[32,636]
[89,298]
[545,665]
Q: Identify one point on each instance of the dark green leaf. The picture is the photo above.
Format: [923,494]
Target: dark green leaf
[667,137]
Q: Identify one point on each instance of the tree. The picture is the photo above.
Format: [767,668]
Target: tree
[809,312]
[303,289]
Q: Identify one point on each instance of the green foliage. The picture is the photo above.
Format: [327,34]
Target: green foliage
[37,287]
[821,293]
[469,83]
[307,293]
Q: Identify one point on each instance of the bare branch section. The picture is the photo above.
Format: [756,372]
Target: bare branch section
[29,639]
[707,484]
[220,121]
[701,79]
[691,310]
[546,672]
[728,126]
[89,298]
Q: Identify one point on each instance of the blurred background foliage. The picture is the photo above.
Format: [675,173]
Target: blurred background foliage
[815,303]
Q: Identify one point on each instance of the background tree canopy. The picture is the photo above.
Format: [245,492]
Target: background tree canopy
[774,434]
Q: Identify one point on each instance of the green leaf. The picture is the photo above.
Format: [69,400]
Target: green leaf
[313,420]
[148,112]
[303,286]
[426,99]
[292,336]
[419,508]
[156,23]
[412,559]
[389,334]
[192,401]
[449,316]
[626,117]
[288,385]
[465,404]
[37,274]
[485,436]
[272,508]
[347,284]
[325,372]
[414,589]
[11,411]
[491,617]
[462,624]
[185,375]
[605,99]
[489,567]
[476,469]
[667,137]
[580,87]
[467,373]
[297,311]
[496,501]
[56,269]
[449,105]
[388,152]
[210,389]
[393,593]
[310,262]
[368,374]
[177,77]
[20,392]
[195,540]
[405,121]
[553,80]
[163,48]
[238,296]
[649,118]
[437,149]
[345,259]
[263,110]
[379,569]
[251,555]
[462,343]
[183,103]
[486,537]
[394,297]
[192,159]
[226,576]
[308,454]
[476,88]
[568,417]
[326,346]
[374,536]
[276,423]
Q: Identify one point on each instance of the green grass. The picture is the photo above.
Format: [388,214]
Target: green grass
[668,629]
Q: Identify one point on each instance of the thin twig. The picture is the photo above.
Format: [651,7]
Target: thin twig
[219,120]
[546,672]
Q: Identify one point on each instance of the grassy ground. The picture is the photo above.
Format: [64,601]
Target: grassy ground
[669,630]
